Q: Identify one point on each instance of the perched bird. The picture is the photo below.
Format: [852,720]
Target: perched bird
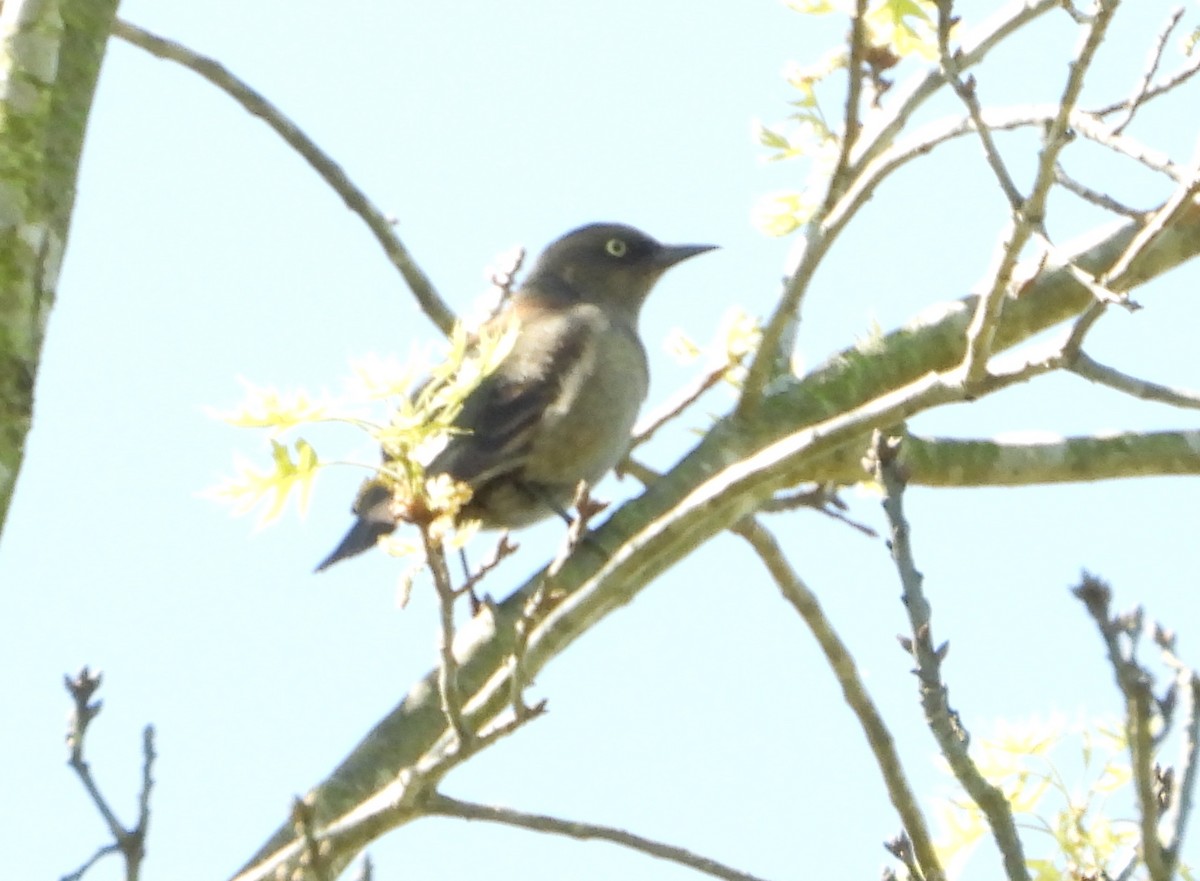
[560,406]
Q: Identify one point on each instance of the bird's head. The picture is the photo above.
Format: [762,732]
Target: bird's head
[607,263]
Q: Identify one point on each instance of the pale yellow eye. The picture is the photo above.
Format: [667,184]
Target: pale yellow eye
[616,247]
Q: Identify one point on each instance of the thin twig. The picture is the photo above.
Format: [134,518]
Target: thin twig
[356,200]
[78,874]
[131,843]
[452,699]
[1153,61]
[1092,370]
[1175,80]
[1030,216]
[1176,816]
[535,609]
[966,91]
[313,861]
[823,229]
[444,806]
[943,720]
[823,499]
[504,549]
[649,424]
[1123,273]
[1085,125]
[840,660]
[1095,197]
[1118,633]
[851,120]
[585,508]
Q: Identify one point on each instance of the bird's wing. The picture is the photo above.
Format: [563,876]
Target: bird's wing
[501,418]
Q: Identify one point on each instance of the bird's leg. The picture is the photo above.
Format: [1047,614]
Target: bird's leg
[504,548]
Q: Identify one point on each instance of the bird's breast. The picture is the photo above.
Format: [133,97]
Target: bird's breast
[586,429]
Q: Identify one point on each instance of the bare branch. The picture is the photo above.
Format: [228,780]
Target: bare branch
[1123,273]
[1030,217]
[1120,633]
[1101,200]
[975,47]
[804,601]
[1175,80]
[130,843]
[824,227]
[967,94]
[649,424]
[1153,61]
[452,699]
[943,720]
[1092,370]
[854,89]
[444,806]
[1179,808]
[356,200]
[518,679]
[503,549]
[823,499]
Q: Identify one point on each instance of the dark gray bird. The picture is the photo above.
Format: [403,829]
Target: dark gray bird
[560,406]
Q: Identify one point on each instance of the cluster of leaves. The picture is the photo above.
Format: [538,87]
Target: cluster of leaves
[1079,818]
[408,409]
[894,31]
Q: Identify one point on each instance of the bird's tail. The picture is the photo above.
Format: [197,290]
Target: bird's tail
[374,521]
[362,537]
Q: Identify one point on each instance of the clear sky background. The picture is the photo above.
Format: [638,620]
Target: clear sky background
[203,250]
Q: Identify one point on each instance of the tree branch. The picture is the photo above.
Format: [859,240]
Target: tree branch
[951,736]
[824,227]
[356,200]
[51,55]
[130,843]
[736,467]
[841,662]
[443,806]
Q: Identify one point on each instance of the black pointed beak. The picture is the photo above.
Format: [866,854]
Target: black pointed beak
[669,255]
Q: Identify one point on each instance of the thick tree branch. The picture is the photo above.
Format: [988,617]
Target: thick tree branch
[1033,461]
[50,54]
[737,466]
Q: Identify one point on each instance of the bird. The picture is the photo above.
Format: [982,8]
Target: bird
[560,406]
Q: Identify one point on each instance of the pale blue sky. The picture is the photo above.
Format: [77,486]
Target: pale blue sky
[203,250]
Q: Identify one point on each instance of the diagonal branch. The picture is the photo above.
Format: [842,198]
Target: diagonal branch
[852,121]
[734,469]
[1084,366]
[439,805]
[1138,98]
[356,200]
[1029,216]
[824,227]
[804,601]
